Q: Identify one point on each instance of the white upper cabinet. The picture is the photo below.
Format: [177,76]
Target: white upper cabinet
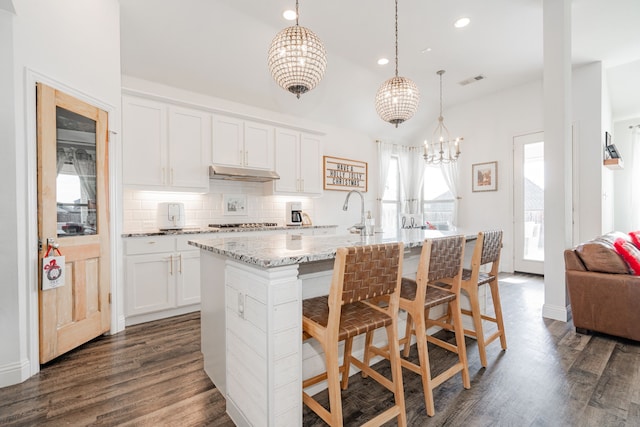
[242,143]
[228,141]
[165,147]
[258,145]
[189,137]
[298,161]
[144,142]
[311,163]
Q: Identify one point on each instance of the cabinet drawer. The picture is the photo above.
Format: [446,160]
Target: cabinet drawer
[149,245]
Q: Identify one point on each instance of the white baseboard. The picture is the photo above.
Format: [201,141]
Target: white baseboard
[555,312]
[14,373]
[149,317]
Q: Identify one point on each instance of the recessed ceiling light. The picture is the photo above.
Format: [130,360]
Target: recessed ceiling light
[289,15]
[383,61]
[462,22]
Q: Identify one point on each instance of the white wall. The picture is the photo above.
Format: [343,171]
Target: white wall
[623,186]
[488,126]
[13,359]
[588,123]
[74,45]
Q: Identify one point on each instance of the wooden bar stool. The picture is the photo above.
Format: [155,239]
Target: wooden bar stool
[437,283]
[440,275]
[486,251]
[362,276]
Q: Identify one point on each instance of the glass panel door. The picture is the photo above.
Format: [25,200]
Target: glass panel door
[76,200]
[529,203]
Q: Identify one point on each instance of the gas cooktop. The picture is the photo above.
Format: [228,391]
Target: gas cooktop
[245,225]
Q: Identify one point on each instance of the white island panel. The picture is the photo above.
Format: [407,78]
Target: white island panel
[263,282]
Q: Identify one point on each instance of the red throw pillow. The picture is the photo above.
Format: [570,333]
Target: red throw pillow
[635,238]
[630,253]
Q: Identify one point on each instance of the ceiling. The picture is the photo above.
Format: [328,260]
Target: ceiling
[219,48]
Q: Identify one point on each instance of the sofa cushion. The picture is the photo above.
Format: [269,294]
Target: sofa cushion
[630,253]
[635,238]
[600,255]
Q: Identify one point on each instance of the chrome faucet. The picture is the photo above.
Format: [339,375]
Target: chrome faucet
[361,225]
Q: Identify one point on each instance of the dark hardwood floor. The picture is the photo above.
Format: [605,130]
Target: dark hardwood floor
[151,375]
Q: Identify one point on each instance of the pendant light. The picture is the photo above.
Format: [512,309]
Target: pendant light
[441,149]
[297,59]
[397,98]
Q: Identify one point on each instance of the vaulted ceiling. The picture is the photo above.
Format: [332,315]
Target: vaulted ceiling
[219,48]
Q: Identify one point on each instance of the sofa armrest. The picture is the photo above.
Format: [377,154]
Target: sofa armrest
[572,261]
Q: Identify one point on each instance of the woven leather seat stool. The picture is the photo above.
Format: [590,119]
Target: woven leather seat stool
[486,251]
[437,283]
[362,276]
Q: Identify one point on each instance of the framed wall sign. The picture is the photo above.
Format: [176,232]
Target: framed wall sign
[485,176]
[344,174]
[234,204]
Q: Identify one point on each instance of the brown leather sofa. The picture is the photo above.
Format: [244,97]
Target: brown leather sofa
[604,296]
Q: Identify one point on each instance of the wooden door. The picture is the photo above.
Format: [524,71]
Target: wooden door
[73,214]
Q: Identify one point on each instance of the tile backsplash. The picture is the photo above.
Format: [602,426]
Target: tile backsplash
[141,207]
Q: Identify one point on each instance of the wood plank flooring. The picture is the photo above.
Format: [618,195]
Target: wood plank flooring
[151,375]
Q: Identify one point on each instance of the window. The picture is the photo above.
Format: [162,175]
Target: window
[437,200]
[391,198]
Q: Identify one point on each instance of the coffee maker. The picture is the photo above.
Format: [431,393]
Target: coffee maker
[294,213]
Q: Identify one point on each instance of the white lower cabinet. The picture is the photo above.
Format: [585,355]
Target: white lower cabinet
[162,278]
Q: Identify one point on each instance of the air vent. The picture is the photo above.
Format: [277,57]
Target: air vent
[472,80]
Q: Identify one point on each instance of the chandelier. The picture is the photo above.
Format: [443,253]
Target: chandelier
[397,98]
[441,149]
[297,59]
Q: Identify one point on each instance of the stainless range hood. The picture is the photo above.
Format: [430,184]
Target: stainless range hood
[241,174]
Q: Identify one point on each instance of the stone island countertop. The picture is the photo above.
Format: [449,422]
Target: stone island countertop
[206,230]
[280,249]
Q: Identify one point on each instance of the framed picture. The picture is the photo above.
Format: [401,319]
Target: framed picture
[484,176]
[234,204]
[345,174]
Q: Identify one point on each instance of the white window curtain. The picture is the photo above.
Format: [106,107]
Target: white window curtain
[635,177]
[452,178]
[411,175]
[385,150]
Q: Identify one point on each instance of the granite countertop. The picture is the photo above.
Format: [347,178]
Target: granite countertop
[188,230]
[280,249]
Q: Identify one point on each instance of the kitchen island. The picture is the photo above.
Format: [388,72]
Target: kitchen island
[251,314]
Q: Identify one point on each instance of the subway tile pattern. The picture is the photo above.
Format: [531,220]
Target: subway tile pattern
[140,207]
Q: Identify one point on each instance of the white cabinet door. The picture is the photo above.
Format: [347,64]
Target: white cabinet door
[298,162]
[286,160]
[188,148]
[311,164]
[144,142]
[188,278]
[258,145]
[228,136]
[150,284]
